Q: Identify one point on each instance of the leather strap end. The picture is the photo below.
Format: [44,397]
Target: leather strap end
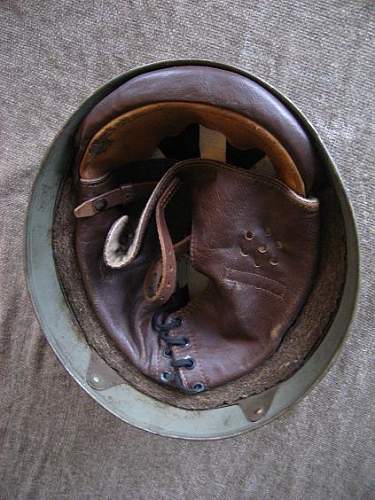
[123,195]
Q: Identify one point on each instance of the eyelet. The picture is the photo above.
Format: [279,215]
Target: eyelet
[167,352]
[274,262]
[177,322]
[166,377]
[248,235]
[244,254]
[192,360]
[199,387]
[262,249]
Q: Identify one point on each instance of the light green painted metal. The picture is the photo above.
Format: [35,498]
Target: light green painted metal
[123,400]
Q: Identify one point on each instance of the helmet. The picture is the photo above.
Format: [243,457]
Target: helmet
[200,261]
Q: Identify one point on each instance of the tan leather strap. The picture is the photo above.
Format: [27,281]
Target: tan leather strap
[122,195]
[161,290]
[154,275]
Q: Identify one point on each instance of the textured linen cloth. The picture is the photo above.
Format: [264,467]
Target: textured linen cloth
[55,441]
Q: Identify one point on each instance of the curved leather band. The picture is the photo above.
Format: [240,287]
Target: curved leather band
[137,133]
[211,86]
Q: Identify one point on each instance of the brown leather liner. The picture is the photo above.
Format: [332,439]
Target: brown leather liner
[135,135]
[299,342]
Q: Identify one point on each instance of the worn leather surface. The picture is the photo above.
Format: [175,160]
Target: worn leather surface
[255,239]
[260,269]
[298,343]
[212,86]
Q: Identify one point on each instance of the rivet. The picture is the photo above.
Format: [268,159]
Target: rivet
[96,379]
[100,205]
[248,235]
[259,411]
[262,249]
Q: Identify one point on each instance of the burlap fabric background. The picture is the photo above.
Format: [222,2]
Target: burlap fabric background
[55,442]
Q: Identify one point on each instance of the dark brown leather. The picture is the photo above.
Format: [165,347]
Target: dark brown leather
[260,267]
[213,86]
[252,239]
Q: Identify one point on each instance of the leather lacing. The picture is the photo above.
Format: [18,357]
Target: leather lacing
[163,323]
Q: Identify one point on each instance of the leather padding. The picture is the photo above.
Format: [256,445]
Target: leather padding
[213,86]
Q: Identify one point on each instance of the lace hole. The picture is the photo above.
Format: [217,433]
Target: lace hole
[191,361]
[177,322]
[199,387]
[167,353]
[166,377]
[248,235]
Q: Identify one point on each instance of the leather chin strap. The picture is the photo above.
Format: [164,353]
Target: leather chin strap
[160,290]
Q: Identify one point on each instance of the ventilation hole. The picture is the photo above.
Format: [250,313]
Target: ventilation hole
[262,249]
[249,235]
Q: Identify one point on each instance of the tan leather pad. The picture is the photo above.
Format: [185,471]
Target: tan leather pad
[136,134]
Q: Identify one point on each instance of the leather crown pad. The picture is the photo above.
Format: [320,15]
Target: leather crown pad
[250,239]
[260,267]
